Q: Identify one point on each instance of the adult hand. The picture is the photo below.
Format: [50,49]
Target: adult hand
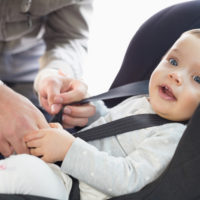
[57,90]
[18,116]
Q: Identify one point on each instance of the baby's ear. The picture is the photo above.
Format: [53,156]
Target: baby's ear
[56,125]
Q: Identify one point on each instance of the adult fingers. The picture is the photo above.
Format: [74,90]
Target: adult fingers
[19,145]
[44,103]
[55,108]
[52,91]
[77,115]
[70,122]
[81,111]
[5,148]
[33,136]
[50,88]
[76,93]
[50,108]
[41,121]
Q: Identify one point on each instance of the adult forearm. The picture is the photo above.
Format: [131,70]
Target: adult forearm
[66,38]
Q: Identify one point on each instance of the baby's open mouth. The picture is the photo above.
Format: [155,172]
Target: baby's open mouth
[166,93]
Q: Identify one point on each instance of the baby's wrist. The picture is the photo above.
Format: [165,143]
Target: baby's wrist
[69,140]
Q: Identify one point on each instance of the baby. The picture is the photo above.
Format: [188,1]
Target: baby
[135,158]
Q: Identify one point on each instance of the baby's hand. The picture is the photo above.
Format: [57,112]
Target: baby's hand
[51,144]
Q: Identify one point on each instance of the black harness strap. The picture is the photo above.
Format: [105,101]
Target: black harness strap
[122,125]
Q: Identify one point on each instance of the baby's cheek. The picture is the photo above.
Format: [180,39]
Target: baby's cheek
[190,109]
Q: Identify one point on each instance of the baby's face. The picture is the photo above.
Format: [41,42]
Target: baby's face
[174,87]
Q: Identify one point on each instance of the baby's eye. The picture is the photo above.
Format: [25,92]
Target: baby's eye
[197,79]
[173,62]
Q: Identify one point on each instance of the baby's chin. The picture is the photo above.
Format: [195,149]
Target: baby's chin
[169,113]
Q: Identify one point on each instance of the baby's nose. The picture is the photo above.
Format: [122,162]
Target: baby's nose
[176,78]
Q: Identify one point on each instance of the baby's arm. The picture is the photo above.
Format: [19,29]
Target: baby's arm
[51,144]
[117,175]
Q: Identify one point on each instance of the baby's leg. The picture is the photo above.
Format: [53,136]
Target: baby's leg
[26,174]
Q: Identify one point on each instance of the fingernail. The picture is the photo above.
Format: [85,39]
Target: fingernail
[63,118]
[67,110]
[58,100]
[53,108]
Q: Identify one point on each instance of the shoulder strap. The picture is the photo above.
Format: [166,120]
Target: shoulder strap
[122,125]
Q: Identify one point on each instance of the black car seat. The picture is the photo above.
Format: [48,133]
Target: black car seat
[181,179]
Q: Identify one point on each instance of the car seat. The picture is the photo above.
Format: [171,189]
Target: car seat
[151,41]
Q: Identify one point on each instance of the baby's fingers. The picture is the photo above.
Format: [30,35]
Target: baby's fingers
[33,143]
[36,152]
[44,158]
[33,136]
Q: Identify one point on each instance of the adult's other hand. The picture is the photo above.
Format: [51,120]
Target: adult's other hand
[18,116]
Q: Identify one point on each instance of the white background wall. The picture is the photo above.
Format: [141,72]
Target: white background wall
[114,22]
